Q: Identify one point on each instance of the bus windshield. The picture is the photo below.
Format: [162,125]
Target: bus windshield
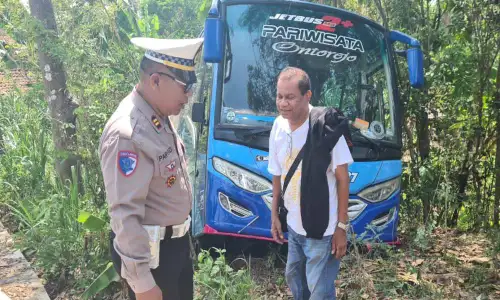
[346,60]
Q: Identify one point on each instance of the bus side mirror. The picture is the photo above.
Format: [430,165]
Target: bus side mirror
[213,48]
[414,57]
[415,60]
[198,112]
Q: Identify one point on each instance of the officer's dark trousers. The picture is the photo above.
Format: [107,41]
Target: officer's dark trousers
[174,275]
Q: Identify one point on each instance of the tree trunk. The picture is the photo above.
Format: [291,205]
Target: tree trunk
[424,143]
[496,209]
[463,178]
[61,106]
[478,211]
[423,140]
[426,208]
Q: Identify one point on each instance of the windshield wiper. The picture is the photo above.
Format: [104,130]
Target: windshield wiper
[251,133]
[373,145]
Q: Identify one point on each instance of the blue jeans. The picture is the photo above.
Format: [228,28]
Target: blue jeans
[311,268]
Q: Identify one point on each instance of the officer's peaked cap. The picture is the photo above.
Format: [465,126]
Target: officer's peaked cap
[177,54]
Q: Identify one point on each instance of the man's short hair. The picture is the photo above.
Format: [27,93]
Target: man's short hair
[304,81]
[148,66]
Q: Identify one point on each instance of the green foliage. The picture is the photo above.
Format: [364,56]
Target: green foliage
[215,279]
[108,276]
[423,237]
[45,211]
[204,7]
[170,12]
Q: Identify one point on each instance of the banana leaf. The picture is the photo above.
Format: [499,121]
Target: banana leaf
[108,276]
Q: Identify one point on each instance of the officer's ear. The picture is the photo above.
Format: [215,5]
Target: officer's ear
[154,80]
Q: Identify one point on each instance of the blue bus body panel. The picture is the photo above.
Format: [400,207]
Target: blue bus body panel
[242,156]
[222,220]
[364,174]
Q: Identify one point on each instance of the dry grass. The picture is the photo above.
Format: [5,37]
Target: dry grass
[453,266]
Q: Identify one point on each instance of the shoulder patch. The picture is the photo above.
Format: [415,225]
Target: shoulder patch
[127,162]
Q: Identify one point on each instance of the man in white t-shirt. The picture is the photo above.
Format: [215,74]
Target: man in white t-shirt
[312,264]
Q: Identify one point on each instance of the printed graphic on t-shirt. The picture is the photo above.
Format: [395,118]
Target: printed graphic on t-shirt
[292,192]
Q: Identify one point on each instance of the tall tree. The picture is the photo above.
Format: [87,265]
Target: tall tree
[61,106]
[496,209]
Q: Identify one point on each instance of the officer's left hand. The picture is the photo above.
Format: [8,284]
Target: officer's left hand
[152,294]
[339,243]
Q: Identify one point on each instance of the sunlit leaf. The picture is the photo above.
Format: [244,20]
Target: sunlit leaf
[90,221]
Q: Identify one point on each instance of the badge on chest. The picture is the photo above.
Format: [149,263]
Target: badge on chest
[171,181]
[169,168]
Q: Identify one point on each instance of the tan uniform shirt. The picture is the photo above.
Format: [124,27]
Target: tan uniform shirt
[146,181]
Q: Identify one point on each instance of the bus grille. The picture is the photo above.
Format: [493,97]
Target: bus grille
[232,207]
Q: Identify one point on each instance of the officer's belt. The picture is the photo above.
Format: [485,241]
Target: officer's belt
[175,231]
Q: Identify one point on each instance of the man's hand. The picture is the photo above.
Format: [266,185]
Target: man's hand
[276,230]
[339,243]
[152,294]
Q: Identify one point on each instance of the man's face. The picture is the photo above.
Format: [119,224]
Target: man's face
[289,100]
[168,92]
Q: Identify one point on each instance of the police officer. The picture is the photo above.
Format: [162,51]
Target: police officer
[145,175]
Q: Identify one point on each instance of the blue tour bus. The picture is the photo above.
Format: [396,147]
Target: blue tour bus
[351,61]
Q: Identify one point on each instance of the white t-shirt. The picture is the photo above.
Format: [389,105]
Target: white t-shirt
[284,145]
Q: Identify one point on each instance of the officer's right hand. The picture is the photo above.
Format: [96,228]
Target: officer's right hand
[152,294]
[276,230]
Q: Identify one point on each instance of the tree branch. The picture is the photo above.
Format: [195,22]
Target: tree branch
[437,19]
[381,11]
[111,22]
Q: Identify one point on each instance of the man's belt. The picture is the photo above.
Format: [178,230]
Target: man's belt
[157,233]
[175,231]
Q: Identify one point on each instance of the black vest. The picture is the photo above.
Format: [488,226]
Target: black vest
[326,126]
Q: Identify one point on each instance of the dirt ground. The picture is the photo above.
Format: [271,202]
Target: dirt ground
[454,266]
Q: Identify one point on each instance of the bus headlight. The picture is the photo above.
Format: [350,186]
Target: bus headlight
[241,177]
[380,192]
